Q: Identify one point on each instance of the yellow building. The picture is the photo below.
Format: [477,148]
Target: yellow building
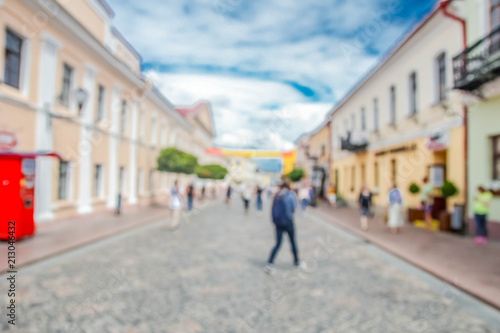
[72,84]
[402,122]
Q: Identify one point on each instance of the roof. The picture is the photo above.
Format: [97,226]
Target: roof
[107,8]
[193,110]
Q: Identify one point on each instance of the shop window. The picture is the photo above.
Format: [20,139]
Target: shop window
[121,185]
[98,181]
[376,175]
[67,83]
[441,75]
[393,171]
[496,157]
[63,183]
[353,178]
[413,93]
[13,59]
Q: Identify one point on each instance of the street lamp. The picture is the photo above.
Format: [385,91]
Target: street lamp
[81,96]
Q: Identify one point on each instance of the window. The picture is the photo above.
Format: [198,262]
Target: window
[346,126]
[13,53]
[98,181]
[413,93]
[495,23]
[393,171]
[363,174]
[143,125]
[363,119]
[63,184]
[376,175]
[353,178]
[495,14]
[100,103]
[140,182]
[154,129]
[124,116]
[66,85]
[496,157]
[392,109]
[353,122]
[441,74]
[121,184]
[164,134]
[375,115]
[152,181]
[323,150]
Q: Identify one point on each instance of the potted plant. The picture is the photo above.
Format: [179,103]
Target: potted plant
[415,214]
[448,190]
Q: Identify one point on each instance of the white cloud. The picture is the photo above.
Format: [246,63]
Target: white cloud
[246,56]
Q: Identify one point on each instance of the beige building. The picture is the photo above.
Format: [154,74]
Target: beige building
[314,156]
[72,84]
[402,122]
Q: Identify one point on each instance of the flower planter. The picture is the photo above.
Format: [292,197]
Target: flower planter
[415,214]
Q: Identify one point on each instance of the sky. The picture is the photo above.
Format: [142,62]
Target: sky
[272,69]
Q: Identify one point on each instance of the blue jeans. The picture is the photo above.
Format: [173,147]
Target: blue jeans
[190,202]
[481,225]
[259,202]
[304,202]
[279,237]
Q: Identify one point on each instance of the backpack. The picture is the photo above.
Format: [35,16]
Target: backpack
[279,210]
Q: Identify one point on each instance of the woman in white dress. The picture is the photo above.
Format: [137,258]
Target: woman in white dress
[395,218]
[175,204]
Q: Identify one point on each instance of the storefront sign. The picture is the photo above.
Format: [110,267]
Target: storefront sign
[396,150]
[8,140]
[438,140]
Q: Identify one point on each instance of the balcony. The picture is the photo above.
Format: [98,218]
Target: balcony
[479,63]
[355,141]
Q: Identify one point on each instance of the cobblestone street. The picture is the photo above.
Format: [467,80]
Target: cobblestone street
[208,277]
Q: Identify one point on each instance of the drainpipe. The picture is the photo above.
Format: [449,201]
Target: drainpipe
[443,6]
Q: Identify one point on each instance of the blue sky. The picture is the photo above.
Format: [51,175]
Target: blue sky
[272,69]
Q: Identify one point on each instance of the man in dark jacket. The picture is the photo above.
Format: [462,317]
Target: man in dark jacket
[284,205]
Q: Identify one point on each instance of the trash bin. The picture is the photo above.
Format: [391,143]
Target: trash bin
[457,219]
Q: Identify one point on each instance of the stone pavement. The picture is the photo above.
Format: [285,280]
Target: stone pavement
[56,237]
[207,277]
[455,259]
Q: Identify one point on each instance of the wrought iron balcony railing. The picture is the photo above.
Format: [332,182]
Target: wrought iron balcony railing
[479,63]
[355,141]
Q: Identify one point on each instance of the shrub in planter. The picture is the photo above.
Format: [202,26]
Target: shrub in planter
[449,189]
[414,188]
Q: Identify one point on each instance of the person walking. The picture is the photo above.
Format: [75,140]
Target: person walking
[246,196]
[304,198]
[481,211]
[175,204]
[190,197]
[229,192]
[365,204]
[427,201]
[283,208]
[395,218]
[259,191]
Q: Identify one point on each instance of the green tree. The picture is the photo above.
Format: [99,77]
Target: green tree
[177,161]
[296,174]
[449,189]
[211,171]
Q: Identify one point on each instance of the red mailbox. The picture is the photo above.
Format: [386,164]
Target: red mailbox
[17,192]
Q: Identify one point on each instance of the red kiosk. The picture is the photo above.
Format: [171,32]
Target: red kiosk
[17,191]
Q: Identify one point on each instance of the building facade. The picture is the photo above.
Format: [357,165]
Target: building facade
[477,77]
[402,122]
[73,85]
